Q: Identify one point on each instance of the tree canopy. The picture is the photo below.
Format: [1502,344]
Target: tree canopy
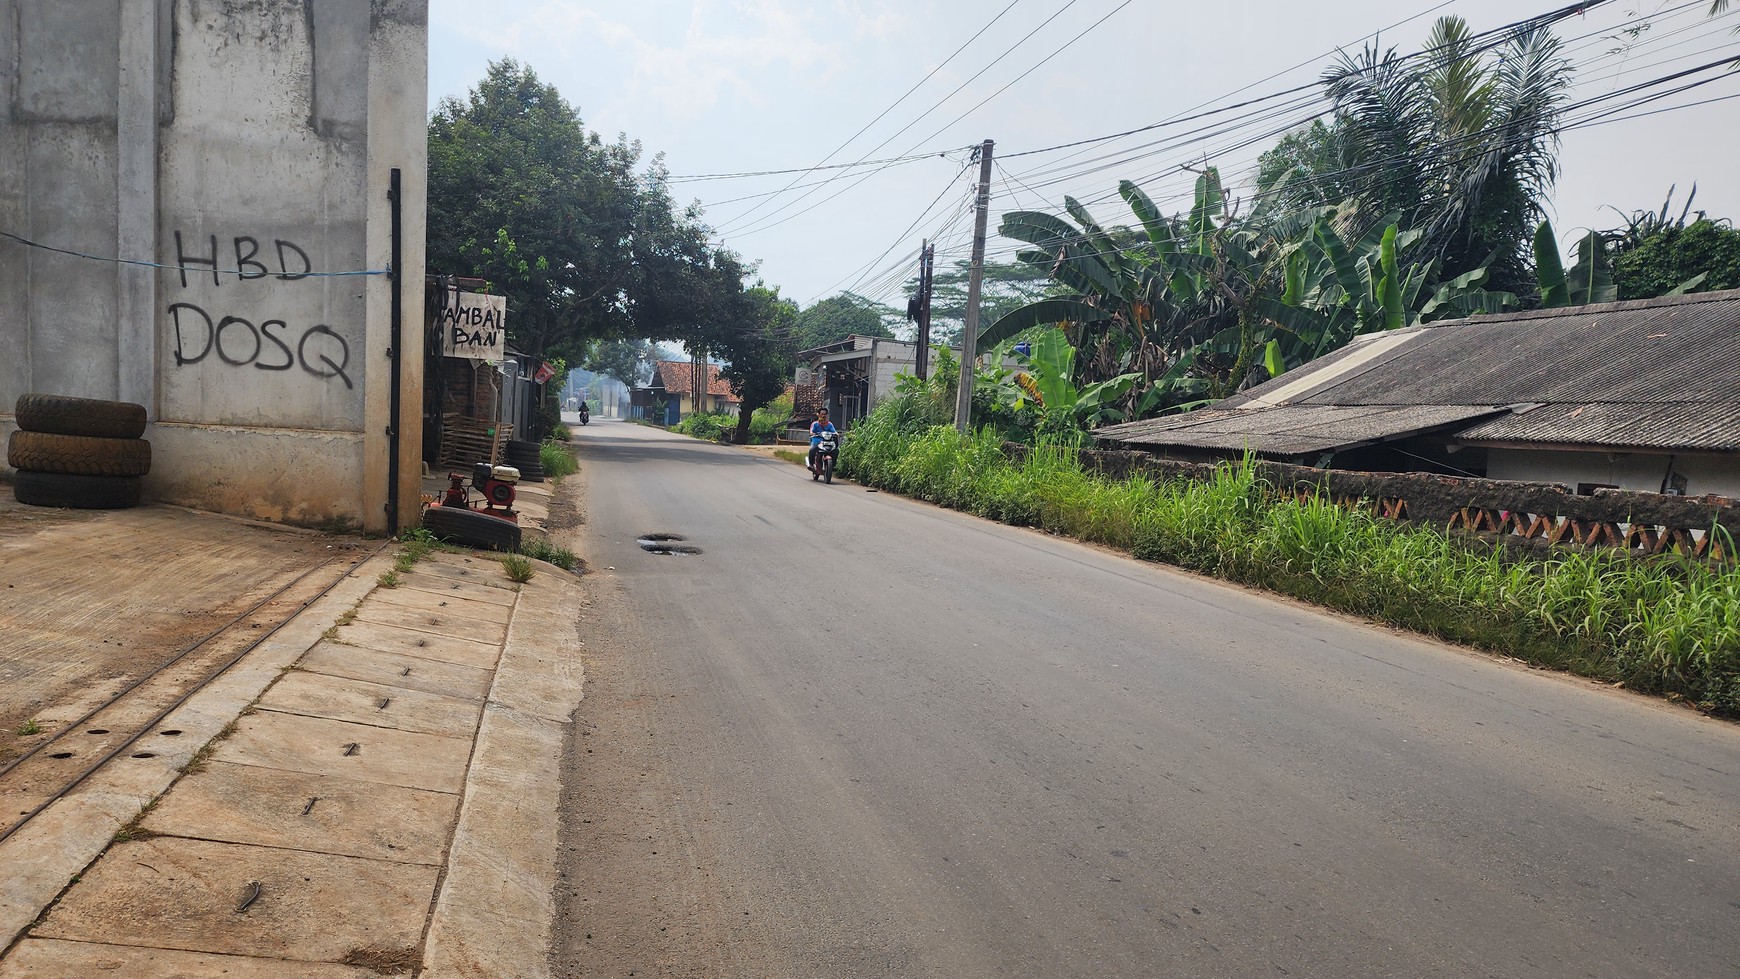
[841,316]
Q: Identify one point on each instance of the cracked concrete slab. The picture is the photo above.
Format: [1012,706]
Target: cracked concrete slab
[299,811]
[470,571]
[438,622]
[413,582]
[35,958]
[309,906]
[319,746]
[455,603]
[415,642]
[398,669]
[376,704]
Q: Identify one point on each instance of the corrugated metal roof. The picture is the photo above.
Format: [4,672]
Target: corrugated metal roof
[1650,373]
[1291,429]
[1667,425]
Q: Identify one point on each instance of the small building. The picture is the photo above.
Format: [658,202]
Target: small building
[855,373]
[1640,395]
[668,397]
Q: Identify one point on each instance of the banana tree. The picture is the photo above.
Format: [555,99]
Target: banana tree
[1049,383]
[1166,310]
[1336,291]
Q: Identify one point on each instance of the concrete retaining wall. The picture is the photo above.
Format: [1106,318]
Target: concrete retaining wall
[248,146]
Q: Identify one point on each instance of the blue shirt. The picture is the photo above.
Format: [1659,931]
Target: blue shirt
[816,430]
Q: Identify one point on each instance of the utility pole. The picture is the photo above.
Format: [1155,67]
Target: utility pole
[926,264]
[970,335]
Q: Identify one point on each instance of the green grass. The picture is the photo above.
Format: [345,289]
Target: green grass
[389,579]
[1668,625]
[29,728]
[801,458]
[518,569]
[543,550]
[558,460]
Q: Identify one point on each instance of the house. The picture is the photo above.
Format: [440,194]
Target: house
[856,372]
[1640,395]
[668,397]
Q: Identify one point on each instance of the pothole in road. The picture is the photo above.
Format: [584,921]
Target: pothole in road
[666,544]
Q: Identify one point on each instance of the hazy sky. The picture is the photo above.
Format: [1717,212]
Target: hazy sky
[752,85]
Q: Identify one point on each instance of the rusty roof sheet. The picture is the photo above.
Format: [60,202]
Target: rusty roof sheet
[1292,429]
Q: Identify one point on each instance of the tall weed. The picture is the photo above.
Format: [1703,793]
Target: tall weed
[1669,625]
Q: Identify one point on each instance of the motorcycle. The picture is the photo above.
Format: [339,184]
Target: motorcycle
[585,413]
[826,454]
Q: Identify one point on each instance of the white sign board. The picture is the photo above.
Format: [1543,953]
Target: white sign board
[475,326]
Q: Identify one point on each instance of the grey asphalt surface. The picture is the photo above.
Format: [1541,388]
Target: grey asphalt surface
[863,736]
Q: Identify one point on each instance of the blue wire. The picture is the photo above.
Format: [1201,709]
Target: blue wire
[179,268]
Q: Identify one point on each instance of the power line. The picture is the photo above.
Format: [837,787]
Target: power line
[1010,50]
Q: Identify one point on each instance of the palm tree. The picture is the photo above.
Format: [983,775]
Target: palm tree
[1459,142]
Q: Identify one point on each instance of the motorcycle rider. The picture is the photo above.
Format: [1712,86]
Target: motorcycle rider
[817,427]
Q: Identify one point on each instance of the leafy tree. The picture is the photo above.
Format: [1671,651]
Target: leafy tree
[1655,255]
[522,195]
[759,351]
[1459,143]
[838,317]
[629,361]
[1005,286]
[1660,263]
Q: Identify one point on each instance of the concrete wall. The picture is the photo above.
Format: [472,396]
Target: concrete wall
[1639,471]
[247,145]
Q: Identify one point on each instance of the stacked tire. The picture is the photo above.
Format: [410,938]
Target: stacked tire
[527,458]
[78,452]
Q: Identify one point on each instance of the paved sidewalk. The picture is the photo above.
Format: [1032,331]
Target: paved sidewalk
[371,792]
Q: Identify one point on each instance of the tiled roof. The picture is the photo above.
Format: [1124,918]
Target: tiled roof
[675,377]
[1644,374]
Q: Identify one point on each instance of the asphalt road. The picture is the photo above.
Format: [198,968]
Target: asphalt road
[861,736]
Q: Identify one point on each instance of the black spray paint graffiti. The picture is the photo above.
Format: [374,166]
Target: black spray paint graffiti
[247,264]
[238,341]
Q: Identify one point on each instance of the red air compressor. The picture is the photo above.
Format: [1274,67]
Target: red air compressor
[496,483]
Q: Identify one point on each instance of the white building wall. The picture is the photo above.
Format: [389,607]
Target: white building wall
[214,136]
[1639,471]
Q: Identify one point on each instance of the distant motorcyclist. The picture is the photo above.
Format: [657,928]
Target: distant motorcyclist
[585,412]
[817,428]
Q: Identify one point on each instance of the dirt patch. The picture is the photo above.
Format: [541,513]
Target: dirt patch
[386,961]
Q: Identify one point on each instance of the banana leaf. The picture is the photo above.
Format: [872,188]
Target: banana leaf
[1041,313]
[1549,270]
[1160,229]
[1591,279]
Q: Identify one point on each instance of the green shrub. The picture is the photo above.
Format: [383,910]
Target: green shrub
[557,459]
[1668,625]
[708,426]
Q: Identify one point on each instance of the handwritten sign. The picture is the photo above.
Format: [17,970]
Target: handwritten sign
[475,326]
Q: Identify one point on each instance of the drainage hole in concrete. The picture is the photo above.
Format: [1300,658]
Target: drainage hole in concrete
[661,537]
[145,754]
[172,732]
[61,754]
[98,730]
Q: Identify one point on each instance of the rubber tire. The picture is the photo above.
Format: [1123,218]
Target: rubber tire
[828,472]
[54,414]
[519,447]
[471,528]
[78,454]
[76,492]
